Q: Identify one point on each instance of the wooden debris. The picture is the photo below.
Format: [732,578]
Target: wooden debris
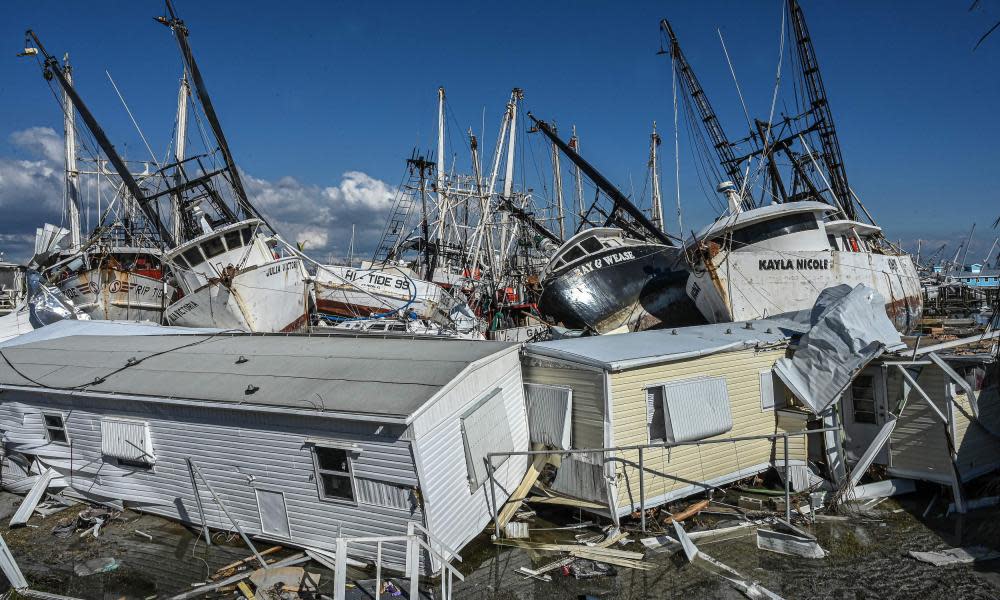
[521,491]
[687,513]
[229,569]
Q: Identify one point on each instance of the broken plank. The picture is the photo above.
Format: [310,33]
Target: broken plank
[521,491]
[565,501]
[688,512]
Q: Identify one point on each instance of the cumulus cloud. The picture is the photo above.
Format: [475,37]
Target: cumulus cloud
[322,217]
[32,192]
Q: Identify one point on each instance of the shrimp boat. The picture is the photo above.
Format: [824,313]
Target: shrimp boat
[807,230]
[118,273]
[229,264]
[610,279]
[351,293]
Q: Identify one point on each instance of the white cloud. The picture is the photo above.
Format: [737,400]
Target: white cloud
[32,192]
[41,141]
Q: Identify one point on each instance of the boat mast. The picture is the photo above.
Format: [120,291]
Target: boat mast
[72,174]
[621,202]
[423,165]
[181,33]
[557,189]
[180,142]
[54,70]
[818,101]
[708,117]
[574,143]
[654,170]
[442,197]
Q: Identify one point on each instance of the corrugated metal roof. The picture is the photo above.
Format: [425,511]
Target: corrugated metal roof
[347,374]
[629,350]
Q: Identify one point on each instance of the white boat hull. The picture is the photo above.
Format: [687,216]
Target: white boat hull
[753,284]
[351,293]
[268,298]
[114,295]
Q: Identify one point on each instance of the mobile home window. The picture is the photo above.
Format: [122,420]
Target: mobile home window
[128,441]
[695,409]
[863,399]
[334,474]
[655,419]
[772,392]
[485,429]
[55,428]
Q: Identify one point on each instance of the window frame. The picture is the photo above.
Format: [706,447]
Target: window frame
[350,452]
[474,484]
[651,417]
[62,421]
[873,400]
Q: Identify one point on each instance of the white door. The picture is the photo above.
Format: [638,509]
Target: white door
[865,412]
[273,514]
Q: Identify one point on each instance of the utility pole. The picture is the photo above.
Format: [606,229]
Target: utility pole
[654,171]
[72,174]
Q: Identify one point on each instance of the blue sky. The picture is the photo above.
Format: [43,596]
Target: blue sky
[309,91]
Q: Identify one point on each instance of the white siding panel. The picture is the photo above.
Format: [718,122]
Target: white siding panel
[485,429]
[455,514]
[550,410]
[695,409]
[237,452]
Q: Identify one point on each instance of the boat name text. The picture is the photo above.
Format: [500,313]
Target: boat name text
[800,264]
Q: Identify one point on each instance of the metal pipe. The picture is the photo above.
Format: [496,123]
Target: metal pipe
[642,490]
[788,479]
[218,501]
[493,494]
[197,498]
[749,438]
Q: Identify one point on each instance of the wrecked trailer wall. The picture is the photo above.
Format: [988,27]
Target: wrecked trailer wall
[455,513]
[918,447]
[588,396]
[714,463]
[239,452]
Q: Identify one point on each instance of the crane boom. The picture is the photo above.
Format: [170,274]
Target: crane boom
[714,129]
[832,157]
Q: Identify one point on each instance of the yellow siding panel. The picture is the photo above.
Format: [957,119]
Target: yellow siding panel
[680,467]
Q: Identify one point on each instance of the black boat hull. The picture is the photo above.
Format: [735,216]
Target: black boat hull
[632,288]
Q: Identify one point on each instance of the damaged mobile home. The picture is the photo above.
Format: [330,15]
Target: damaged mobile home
[661,387]
[672,413]
[293,439]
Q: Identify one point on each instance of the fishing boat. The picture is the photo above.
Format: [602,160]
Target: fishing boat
[806,230]
[612,279]
[232,269]
[350,292]
[117,273]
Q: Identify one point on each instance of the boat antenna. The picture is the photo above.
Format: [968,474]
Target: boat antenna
[53,70]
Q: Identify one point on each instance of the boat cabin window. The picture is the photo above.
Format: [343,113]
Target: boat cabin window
[55,428]
[592,245]
[572,254]
[213,247]
[765,230]
[334,473]
[397,327]
[193,257]
[833,241]
[247,233]
[377,327]
[234,240]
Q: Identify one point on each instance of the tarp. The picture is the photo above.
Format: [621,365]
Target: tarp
[849,328]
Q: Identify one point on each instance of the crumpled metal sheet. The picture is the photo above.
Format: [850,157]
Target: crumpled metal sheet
[849,328]
[48,304]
